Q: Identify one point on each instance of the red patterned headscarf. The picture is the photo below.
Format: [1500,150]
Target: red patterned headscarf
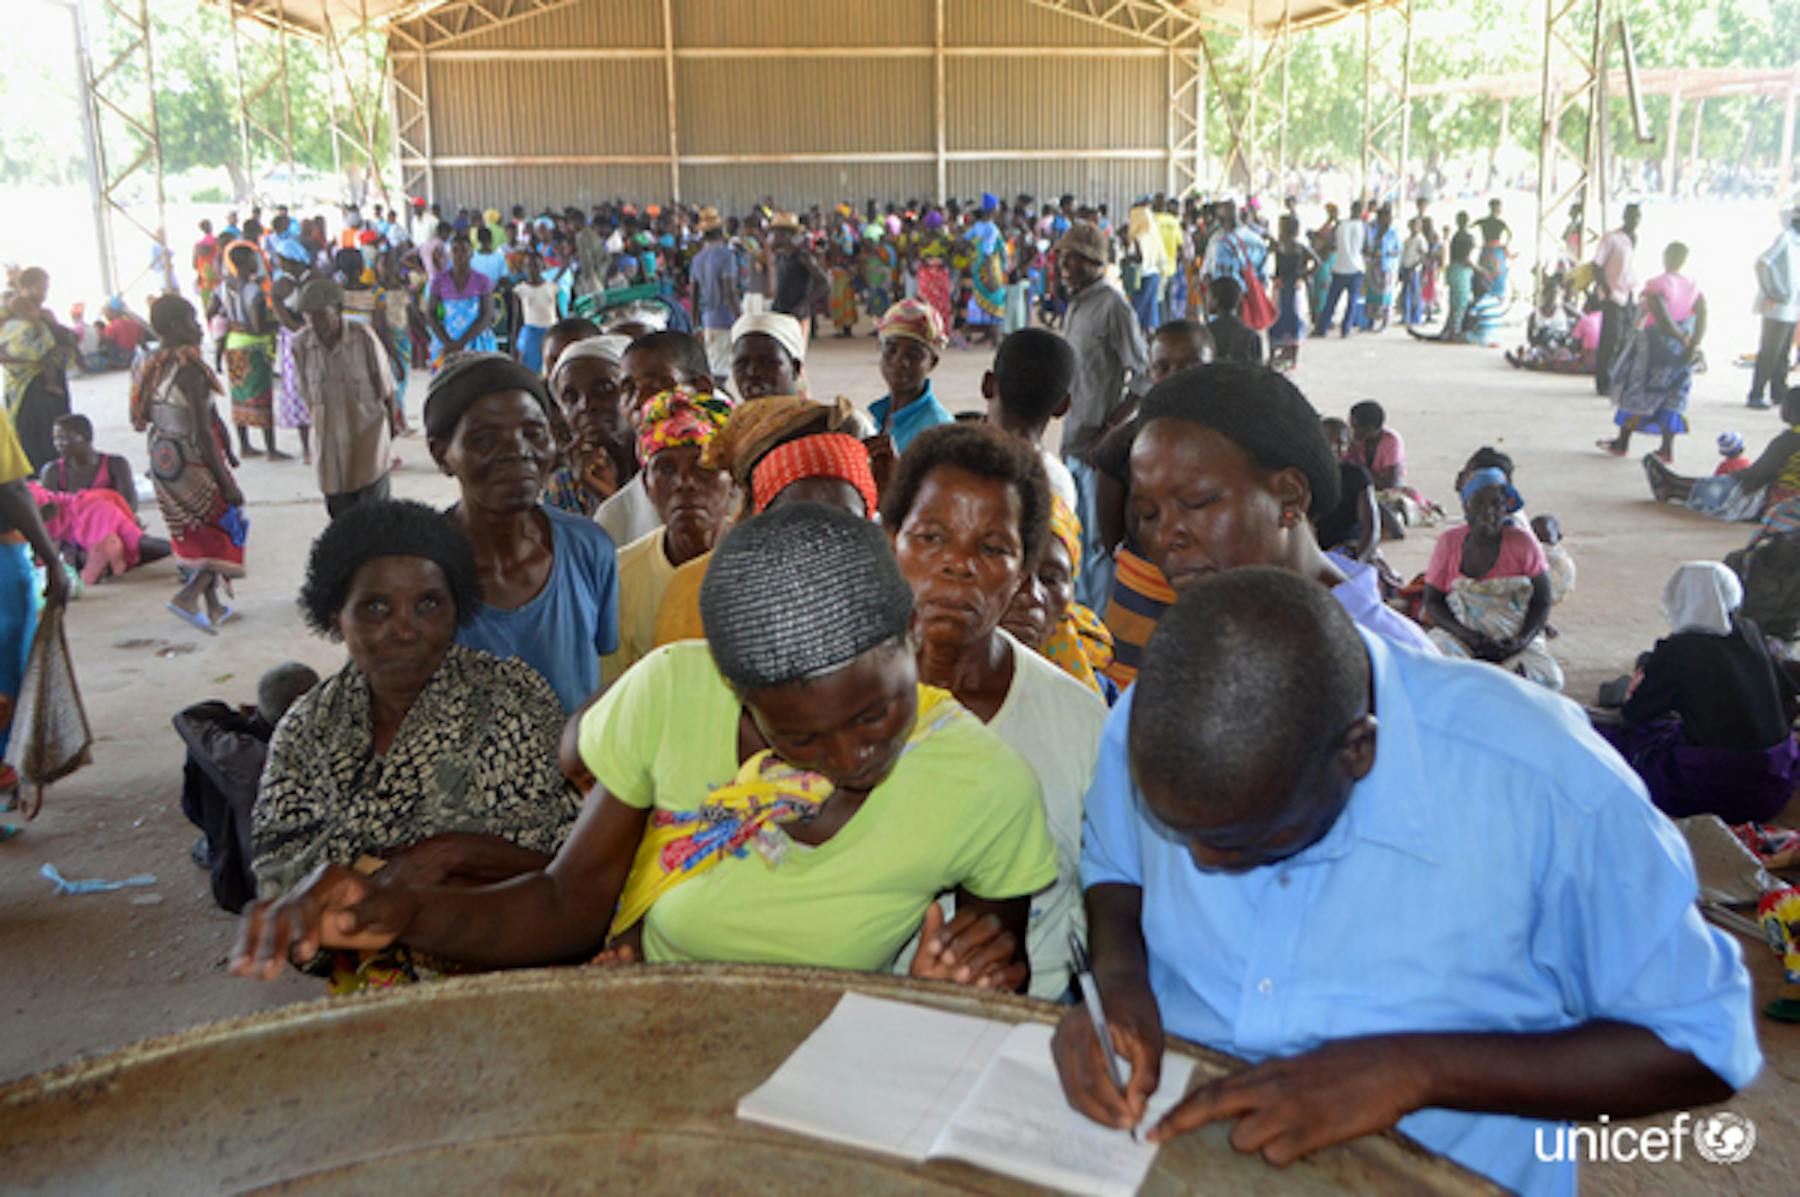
[823,455]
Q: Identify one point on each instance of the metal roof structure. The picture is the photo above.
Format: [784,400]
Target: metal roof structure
[921,85]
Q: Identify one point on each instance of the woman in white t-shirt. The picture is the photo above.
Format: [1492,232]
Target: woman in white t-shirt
[537,312]
[969,511]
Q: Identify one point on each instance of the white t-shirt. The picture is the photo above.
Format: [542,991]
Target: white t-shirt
[537,302]
[629,515]
[1351,236]
[1054,722]
[1062,483]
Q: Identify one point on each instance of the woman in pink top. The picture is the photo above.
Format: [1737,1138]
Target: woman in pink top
[1651,377]
[1487,589]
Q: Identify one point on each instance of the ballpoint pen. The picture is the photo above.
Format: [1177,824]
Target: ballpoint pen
[1090,995]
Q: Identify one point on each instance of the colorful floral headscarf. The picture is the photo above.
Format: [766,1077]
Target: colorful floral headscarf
[682,416]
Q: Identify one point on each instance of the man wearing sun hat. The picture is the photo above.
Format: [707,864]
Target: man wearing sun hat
[1110,357]
[800,283]
[912,339]
[714,275]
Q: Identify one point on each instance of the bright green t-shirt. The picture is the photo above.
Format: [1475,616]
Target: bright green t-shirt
[961,808]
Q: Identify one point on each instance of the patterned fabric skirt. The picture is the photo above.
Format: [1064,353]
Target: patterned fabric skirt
[290,410]
[934,289]
[249,370]
[1496,607]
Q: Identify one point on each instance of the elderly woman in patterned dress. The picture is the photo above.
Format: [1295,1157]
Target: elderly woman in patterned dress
[432,762]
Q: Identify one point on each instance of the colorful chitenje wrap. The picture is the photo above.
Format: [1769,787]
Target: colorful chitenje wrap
[1081,645]
[205,532]
[824,455]
[743,815]
[682,416]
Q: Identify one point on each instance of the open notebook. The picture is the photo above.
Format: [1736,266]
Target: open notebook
[923,1084]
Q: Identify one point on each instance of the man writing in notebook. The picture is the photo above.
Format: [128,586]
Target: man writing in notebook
[1310,848]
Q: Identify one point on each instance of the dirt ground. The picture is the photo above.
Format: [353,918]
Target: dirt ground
[94,972]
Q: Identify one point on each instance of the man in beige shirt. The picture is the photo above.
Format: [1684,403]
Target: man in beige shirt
[345,381]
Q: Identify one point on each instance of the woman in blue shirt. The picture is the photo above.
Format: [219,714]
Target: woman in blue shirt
[549,582]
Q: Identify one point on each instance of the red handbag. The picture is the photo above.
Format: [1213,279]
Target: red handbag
[1255,309]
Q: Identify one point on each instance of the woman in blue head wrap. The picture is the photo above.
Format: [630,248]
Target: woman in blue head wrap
[1487,589]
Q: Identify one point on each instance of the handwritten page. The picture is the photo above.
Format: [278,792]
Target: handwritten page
[1017,1122]
[880,1075]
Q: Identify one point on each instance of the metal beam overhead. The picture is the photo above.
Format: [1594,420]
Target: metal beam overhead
[110,90]
[1574,49]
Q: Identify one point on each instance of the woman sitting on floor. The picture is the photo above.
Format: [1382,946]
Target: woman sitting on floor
[784,793]
[1707,723]
[1487,589]
[969,511]
[438,759]
[1745,494]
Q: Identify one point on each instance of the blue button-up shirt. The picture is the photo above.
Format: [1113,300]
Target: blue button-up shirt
[909,421]
[1500,869]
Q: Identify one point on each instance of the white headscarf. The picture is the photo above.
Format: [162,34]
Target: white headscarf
[606,347]
[1700,597]
[783,329]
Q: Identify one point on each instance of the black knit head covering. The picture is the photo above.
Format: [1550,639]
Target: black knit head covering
[798,592]
[468,378]
[1258,410]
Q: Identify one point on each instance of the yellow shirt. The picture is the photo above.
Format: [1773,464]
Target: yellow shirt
[679,618]
[14,465]
[960,809]
[644,574]
[1169,225]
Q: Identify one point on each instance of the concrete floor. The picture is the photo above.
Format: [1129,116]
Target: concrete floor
[95,972]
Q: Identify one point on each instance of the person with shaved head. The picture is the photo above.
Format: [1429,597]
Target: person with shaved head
[1412,892]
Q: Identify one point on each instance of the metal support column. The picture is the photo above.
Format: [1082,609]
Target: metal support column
[1785,179]
[939,116]
[668,29]
[1671,149]
[1574,35]
[1387,100]
[90,137]
[363,103]
[113,90]
[265,138]
[1186,119]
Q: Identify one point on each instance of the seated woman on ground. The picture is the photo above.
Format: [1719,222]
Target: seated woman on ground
[969,513]
[1708,719]
[1745,494]
[1487,589]
[1046,619]
[1560,341]
[857,797]
[433,762]
[1353,527]
[98,514]
[1379,449]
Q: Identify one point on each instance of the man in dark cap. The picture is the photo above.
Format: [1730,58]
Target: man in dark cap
[344,380]
[1412,892]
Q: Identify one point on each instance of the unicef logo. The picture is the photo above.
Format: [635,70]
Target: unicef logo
[1725,1137]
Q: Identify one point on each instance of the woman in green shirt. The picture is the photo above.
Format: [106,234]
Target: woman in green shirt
[785,792]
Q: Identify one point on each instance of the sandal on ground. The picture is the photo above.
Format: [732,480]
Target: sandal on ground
[192,618]
[1611,447]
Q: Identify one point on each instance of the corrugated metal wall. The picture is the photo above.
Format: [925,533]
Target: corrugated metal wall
[492,99]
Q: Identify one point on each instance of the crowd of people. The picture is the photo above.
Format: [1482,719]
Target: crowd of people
[702,666]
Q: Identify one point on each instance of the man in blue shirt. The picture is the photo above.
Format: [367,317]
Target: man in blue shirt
[1481,925]
[714,279]
[912,337]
